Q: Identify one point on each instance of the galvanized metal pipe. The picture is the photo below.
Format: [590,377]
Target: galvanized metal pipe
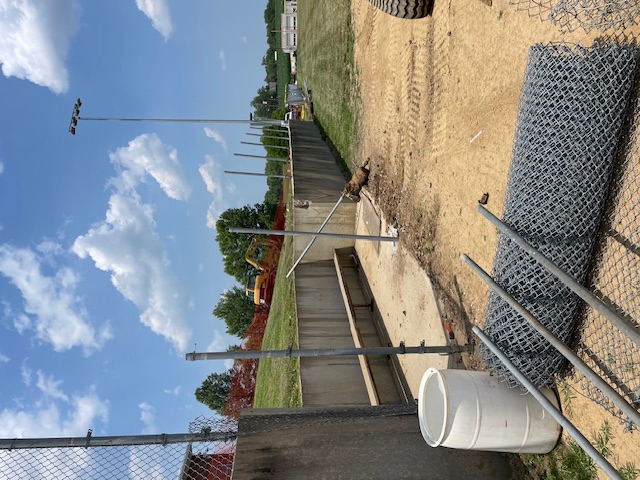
[273,159]
[266,122]
[261,231]
[113,441]
[267,127]
[170,120]
[550,407]
[620,323]
[313,239]
[575,360]
[273,175]
[268,136]
[326,352]
[263,145]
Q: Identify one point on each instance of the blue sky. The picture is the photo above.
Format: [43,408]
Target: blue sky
[109,269]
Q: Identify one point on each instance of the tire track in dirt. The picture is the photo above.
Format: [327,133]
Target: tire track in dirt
[370,33]
[411,98]
[440,79]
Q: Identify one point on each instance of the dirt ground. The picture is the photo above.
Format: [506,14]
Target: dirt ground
[439,99]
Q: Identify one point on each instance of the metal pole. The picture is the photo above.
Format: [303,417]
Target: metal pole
[90,441]
[326,352]
[172,120]
[576,361]
[261,231]
[313,239]
[619,322]
[268,136]
[550,407]
[263,145]
[258,174]
[276,128]
[264,123]
[275,159]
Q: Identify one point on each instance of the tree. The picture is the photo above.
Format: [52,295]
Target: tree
[274,167]
[236,310]
[214,391]
[263,102]
[233,246]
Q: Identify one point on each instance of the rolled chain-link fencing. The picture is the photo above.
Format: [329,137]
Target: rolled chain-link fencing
[572,114]
[570,15]
[206,452]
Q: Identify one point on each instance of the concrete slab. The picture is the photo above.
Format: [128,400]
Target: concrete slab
[404,297]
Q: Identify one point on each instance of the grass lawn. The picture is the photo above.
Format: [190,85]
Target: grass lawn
[278,381]
[325,59]
[284,74]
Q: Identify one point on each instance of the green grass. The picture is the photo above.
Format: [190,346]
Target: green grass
[278,380]
[569,462]
[284,74]
[325,59]
[566,462]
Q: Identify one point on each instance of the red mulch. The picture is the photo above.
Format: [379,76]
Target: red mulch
[243,380]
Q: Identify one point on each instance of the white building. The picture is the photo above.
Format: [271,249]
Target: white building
[289,28]
[290,6]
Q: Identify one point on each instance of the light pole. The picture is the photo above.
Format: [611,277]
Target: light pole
[253,120]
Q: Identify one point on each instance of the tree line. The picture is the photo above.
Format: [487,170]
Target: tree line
[234,307]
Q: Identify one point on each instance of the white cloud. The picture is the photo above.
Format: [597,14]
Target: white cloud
[55,413]
[158,13]
[35,40]
[244,39]
[50,464]
[223,60]
[50,387]
[22,323]
[148,417]
[26,374]
[211,133]
[49,249]
[210,173]
[218,344]
[144,155]
[59,316]
[1,167]
[127,245]
[230,187]
[4,358]
[175,391]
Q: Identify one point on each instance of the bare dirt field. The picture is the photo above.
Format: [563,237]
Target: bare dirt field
[439,99]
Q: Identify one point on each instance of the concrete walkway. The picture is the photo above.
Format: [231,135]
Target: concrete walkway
[403,295]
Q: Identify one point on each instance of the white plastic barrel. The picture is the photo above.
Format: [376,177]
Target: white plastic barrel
[475,411]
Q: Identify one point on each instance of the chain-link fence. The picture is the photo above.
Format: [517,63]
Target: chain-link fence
[572,114]
[615,277]
[570,15]
[206,452]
